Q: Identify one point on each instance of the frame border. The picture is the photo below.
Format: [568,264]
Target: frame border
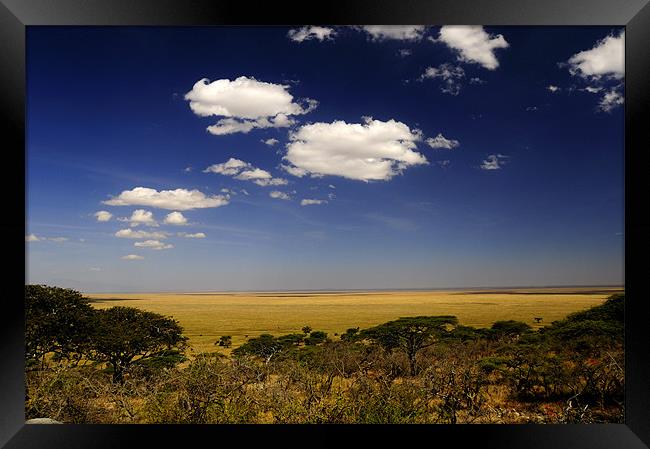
[15,15]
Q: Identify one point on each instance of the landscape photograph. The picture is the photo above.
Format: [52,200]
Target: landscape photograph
[314,224]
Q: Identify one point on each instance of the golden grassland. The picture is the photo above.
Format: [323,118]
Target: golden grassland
[205,316]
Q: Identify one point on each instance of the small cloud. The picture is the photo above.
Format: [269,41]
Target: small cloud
[531,108]
[132,257]
[197,235]
[279,195]
[477,80]
[270,142]
[404,52]
[331,196]
[473,44]
[179,199]
[187,169]
[131,234]
[331,186]
[395,32]
[493,162]
[308,202]
[451,76]
[32,238]
[153,244]
[140,216]
[175,218]
[245,192]
[610,100]
[605,59]
[443,164]
[103,215]
[58,239]
[95,269]
[307,33]
[552,88]
[441,141]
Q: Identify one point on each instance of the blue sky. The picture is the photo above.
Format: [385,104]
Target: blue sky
[431,157]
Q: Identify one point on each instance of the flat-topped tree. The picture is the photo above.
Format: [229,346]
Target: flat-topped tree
[123,334]
[410,334]
[57,320]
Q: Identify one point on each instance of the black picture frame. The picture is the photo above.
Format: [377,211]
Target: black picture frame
[16,15]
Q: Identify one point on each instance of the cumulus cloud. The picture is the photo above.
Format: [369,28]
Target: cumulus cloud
[103,215]
[307,33]
[395,32]
[279,195]
[244,171]
[245,104]
[197,235]
[140,216]
[270,142]
[132,257]
[493,162]
[153,244]
[179,199]
[441,141]
[450,75]
[473,44]
[175,218]
[308,202]
[605,59]
[32,238]
[369,151]
[131,234]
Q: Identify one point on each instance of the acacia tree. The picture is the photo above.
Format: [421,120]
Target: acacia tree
[57,320]
[410,334]
[123,334]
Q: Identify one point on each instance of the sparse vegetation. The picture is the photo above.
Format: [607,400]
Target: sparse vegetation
[422,369]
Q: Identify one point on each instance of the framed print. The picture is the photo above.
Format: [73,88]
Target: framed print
[425,216]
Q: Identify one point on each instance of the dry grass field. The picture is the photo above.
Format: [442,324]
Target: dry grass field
[206,316]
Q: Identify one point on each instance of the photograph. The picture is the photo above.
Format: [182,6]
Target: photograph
[325,224]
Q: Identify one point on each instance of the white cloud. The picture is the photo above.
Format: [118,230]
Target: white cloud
[451,76]
[331,186]
[132,257]
[153,244]
[246,104]
[131,234]
[404,52]
[245,192]
[140,216]
[552,88]
[610,100]
[175,218]
[606,58]
[244,171]
[270,142]
[395,32]
[179,199]
[473,44]
[198,235]
[441,141]
[308,202]
[279,195]
[35,238]
[231,167]
[374,150]
[311,32]
[103,215]
[493,162]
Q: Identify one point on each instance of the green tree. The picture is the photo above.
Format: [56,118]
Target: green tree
[410,334]
[56,320]
[225,341]
[265,346]
[306,330]
[125,334]
[315,337]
